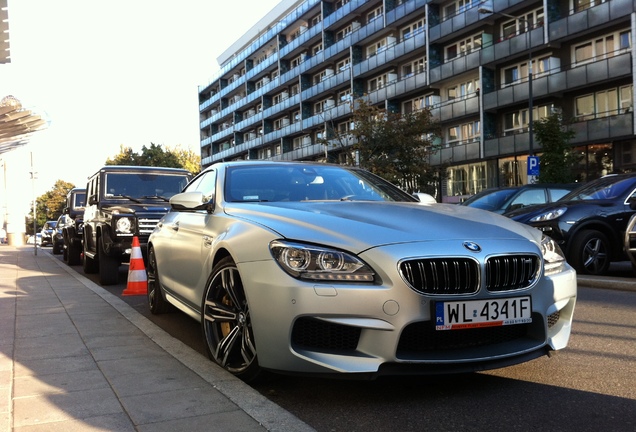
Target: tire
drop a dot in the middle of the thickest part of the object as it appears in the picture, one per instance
(156, 301)
(73, 253)
(226, 323)
(590, 252)
(108, 266)
(90, 265)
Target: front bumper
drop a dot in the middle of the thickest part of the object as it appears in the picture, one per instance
(388, 328)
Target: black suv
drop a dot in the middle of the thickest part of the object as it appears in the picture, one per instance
(70, 224)
(123, 202)
(589, 223)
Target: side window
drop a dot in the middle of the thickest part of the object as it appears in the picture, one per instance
(529, 197)
(205, 183)
(557, 194)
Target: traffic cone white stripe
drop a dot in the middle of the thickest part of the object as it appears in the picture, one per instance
(137, 278)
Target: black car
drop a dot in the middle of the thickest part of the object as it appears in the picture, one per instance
(589, 223)
(58, 239)
(47, 232)
(505, 199)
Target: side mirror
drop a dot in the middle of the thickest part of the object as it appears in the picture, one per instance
(93, 200)
(192, 201)
(425, 198)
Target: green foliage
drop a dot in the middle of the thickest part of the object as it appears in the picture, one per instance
(49, 205)
(396, 146)
(558, 160)
(156, 156)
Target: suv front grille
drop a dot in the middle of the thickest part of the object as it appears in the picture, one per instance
(450, 276)
(147, 225)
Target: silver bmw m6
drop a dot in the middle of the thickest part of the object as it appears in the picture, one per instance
(326, 269)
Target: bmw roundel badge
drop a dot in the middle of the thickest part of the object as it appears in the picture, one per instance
(472, 246)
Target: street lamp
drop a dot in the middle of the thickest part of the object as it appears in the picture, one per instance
(34, 176)
(531, 159)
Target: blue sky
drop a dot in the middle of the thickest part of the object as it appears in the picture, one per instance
(122, 72)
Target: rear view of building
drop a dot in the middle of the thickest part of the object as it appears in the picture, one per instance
(484, 68)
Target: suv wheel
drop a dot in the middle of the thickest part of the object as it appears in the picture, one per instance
(108, 266)
(89, 264)
(590, 252)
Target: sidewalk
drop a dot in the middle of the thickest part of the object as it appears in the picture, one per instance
(73, 357)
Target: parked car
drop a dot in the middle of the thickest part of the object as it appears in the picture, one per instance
(73, 225)
(505, 199)
(47, 233)
(316, 268)
(124, 202)
(589, 223)
(58, 239)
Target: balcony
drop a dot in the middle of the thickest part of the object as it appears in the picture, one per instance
(459, 22)
(604, 128)
(590, 18)
(558, 81)
(406, 8)
(457, 153)
(456, 108)
(391, 53)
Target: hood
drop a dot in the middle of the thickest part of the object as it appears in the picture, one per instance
(360, 225)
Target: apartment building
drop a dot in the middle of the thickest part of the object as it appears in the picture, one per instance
(484, 68)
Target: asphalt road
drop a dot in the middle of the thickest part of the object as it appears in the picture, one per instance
(589, 386)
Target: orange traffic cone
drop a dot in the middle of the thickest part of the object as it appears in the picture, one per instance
(137, 279)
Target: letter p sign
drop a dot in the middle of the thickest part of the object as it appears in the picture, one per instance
(533, 165)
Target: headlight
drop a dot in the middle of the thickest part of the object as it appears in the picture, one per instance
(320, 264)
(124, 226)
(549, 215)
(553, 258)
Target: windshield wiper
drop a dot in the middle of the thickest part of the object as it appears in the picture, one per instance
(129, 197)
(157, 197)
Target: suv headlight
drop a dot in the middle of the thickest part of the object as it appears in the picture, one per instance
(124, 225)
(553, 257)
(549, 215)
(320, 264)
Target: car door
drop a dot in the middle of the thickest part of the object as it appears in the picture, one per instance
(190, 245)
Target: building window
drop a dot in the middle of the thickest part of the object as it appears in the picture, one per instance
(295, 89)
(340, 3)
(419, 103)
(296, 117)
(412, 29)
(344, 96)
(343, 64)
(323, 105)
(315, 20)
(459, 6)
(604, 103)
(519, 72)
(297, 60)
(462, 90)
(414, 67)
(522, 24)
(374, 14)
(464, 133)
(602, 47)
(581, 5)
(463, 47)
(517, 121)
(316, 49)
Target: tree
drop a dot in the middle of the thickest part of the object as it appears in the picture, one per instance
(49, 206)
(396, 146)
(558, 159)
(156, 156)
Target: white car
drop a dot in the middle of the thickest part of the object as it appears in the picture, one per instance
(326, 269)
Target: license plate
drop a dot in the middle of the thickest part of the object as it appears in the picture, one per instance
(454, 315)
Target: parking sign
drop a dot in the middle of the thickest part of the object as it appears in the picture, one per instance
(533, 165)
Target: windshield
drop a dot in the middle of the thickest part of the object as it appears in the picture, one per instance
(142, 185)
(490, 200)
(307, 183)
(602, 189)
